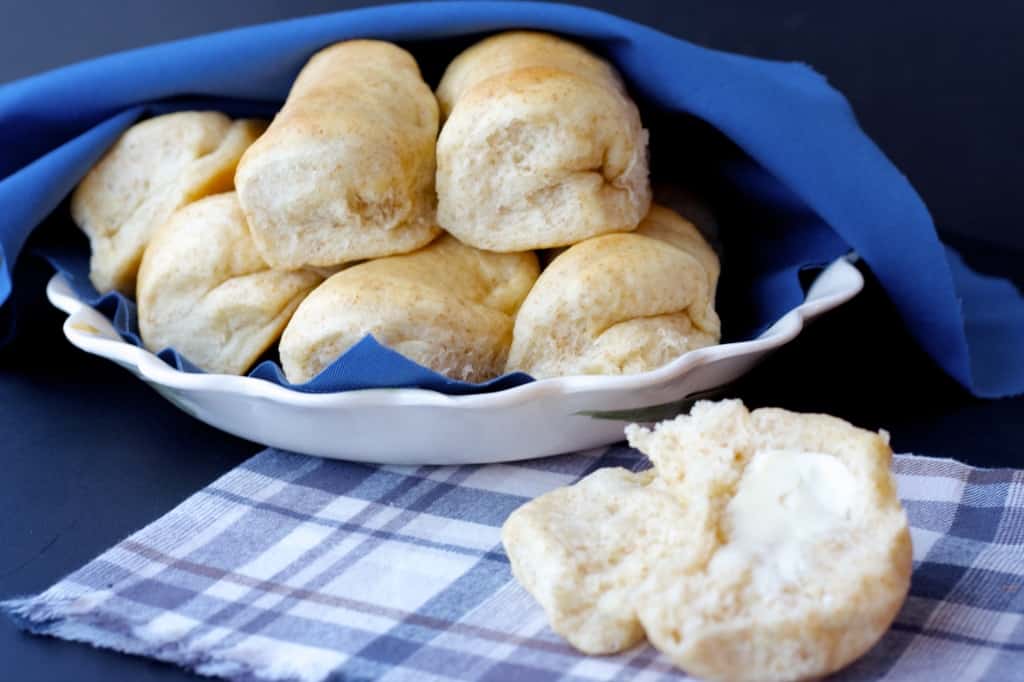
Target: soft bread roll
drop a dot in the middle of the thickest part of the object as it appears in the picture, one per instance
(153, 169)
(813, 559)
(205, 290)
(346, 170)
(447, 306)
(542, 146)
(583, 550)
(620, 303)
(763, 545)
(670, 227)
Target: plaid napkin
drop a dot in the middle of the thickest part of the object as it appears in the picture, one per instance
(296, 568)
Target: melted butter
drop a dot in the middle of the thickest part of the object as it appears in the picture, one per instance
(787, 501)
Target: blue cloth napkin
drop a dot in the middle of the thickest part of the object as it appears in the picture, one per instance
(792, 178)
(298, 568)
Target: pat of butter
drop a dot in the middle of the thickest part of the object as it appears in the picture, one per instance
(787, 501)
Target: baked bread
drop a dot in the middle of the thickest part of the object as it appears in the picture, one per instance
(763, 545)
(205, 290)
(154, 168)
(447, 306)
(584, 550)
(620, 303)
(542, 146)
(346, 170)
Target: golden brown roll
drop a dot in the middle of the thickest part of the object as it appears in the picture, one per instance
(346, 170)
(205, 290)
(620, 303)
(542, 146)
(448, 306)
(153, 169)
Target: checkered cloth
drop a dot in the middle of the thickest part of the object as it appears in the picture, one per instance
(291, 567)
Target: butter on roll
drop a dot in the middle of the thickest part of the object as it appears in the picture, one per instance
(763, 545)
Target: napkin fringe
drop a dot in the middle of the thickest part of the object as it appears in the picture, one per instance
(57, 616)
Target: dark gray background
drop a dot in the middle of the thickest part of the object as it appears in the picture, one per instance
(91, 455)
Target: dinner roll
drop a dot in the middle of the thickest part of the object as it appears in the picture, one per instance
(813, 555)
(447, 306)
(205, 290)
(763, 545)
(153, 169)
(346, 170)
(582, 551)
(542, 146)
(620, 303)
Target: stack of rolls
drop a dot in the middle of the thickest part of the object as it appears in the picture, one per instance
(372, 206)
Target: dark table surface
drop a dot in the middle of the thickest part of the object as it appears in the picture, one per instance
(91, 454)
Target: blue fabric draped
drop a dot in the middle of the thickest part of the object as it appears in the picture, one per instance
(778, 153)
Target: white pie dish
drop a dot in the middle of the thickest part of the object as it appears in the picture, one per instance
(416, 426)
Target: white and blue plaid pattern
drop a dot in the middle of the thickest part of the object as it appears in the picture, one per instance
(291, 567)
